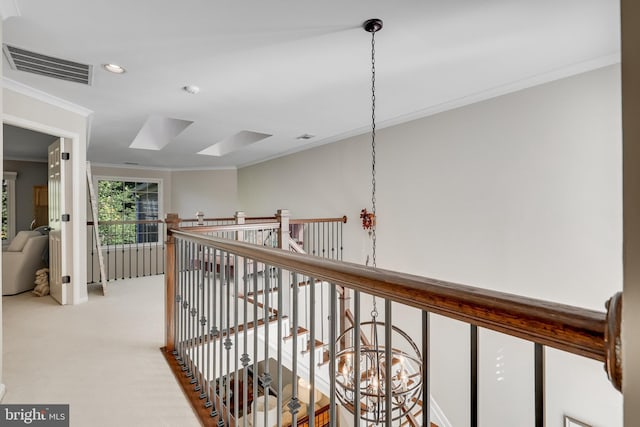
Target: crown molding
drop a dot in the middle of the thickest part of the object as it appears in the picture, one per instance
(31, 92)
(9, 8)
(25, 159)
(121, 166)
(162, 169)
(205, 168)
(526, 83)
(569, 70)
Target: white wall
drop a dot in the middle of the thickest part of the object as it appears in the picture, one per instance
(30, 174)
(520, 193)
(213, 192)
(22, 108)
(631, 129)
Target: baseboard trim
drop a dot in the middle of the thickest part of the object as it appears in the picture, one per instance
(81, 300)
(197, 404)
(437, 415)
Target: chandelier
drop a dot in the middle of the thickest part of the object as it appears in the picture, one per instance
(405, 382)
(362, 378)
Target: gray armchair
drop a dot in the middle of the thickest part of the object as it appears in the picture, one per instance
(21, 260)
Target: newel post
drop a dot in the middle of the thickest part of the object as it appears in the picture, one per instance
(283, 243)
(239, 265)
(172, 222)
(240, 219)
(283, 233)
(612, 340)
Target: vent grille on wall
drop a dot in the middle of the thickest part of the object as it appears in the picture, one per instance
(37, 63)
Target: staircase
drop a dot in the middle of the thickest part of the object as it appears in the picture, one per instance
(320, 348)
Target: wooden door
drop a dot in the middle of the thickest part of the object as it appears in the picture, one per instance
(60, 243)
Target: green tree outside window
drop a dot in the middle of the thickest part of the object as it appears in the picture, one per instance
(125, 202)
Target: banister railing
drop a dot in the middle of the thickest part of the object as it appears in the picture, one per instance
(210, 229)
(131, 248)
(342, 219)
(190, 222)
(286, 275)
(575, 330)
(319, 236)
(135, 248)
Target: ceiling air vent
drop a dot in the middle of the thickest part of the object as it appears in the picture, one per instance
(37, 63)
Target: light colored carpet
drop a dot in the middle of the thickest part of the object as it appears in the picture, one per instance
(102, 357)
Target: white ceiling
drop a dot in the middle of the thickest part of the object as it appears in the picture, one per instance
(25, 144)
(286, 68)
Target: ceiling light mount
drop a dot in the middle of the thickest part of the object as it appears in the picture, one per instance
(372, 25)
(191, 89)
(114, 68)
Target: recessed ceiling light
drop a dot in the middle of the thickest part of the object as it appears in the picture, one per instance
(305, 136)
(114, 68)
(191, 89)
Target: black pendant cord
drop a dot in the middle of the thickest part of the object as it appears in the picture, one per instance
(373, 26)
(374, 311)
(373, 145)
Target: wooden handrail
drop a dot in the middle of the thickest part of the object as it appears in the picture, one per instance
(612, 340)
(573, 329)
(342, 219)
(252, 220)
(232, 227)
(261, 219)
(255, 218)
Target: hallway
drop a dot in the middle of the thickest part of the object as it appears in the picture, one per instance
(102, 357)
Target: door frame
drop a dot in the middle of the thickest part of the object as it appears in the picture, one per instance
(78, 292)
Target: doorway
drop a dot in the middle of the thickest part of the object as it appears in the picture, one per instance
(34, 155)
(25, 154)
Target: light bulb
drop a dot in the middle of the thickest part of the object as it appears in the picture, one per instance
(114, 68)
(374, 384)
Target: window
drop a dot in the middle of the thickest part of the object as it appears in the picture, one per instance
(8, 206)
(123, 205)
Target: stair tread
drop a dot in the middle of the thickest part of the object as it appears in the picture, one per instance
(230, 332)
(318, 344)
(251, 300)
(260, 292)
(301, 331)
(325, 358)
(306, 283)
